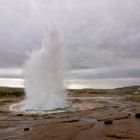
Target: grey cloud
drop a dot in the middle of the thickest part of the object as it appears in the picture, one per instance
(10, 73)
(105, 73)
(97, 34)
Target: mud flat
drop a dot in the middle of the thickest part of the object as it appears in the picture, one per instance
(91, 118)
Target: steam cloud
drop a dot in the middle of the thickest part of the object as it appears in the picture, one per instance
(43, 74)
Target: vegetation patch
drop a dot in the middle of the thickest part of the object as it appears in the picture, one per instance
(11, 92)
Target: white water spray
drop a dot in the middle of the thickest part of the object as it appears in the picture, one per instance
(43, 75)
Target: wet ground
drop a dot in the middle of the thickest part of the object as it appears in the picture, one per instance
(85, 120)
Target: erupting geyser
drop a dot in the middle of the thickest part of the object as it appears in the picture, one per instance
(43, 74)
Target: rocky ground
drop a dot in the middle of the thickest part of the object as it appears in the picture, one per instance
(96, 118)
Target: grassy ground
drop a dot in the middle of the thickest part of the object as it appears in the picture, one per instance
(11, 92)
(133, 90)
(135, 98)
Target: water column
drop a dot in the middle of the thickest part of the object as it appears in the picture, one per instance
(43, 74)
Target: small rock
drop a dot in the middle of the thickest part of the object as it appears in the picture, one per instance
(26, 129)
(19, 115)
(108, 121)
(70, 121)
(129, 114)
(137, 115)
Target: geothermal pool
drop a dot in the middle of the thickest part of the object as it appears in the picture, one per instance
(73, 104)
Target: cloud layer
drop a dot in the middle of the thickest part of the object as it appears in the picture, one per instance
(100, 36)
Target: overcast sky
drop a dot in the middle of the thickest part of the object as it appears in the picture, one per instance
(101, 37)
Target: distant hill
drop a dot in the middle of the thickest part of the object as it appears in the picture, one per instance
(129, 88)
(117, 91)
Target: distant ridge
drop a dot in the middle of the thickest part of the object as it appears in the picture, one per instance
(129, 90)
(135, 87)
